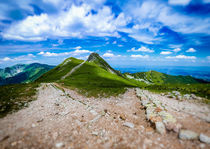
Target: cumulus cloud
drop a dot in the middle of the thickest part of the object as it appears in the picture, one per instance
(77, 21)
(110, 55)
(192, 50)
(140, 56)
(142, 49)
(18, 58)
(165, 52)
(76, 52)
(181, 57)
(177, 50)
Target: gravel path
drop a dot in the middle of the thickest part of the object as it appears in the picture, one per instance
(65, 119)
(73, 70)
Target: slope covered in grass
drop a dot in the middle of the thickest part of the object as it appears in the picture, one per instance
(93, 80)
(161, 78)
(59, 71)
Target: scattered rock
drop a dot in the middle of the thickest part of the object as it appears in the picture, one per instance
(160, 127)
(95, 133)
(128, 124)
(59, 145)
(187, 135)
(14, 143)
(122, 117)
(40, 120)
(205, 139)
(33, 125)
(202, 145)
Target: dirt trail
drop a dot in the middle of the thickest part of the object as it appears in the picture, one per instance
(65, 119)
(73, 70)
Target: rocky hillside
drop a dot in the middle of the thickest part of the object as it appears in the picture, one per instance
(22, 73)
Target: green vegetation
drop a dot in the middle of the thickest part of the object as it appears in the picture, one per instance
(202, 90)
(92, 80)
(14, 97)
(161, 78)
(22, 73)
(59, 71)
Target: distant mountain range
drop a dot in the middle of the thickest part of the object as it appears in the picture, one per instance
(22, 73)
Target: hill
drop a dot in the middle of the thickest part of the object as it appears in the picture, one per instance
(93, 77)
(154, 77)
(22, 73)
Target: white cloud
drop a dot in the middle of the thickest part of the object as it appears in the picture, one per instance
(140, 56)
(181, 57)
(208, 57)
(179, 2)
(19, 58)
(108, 55)
(114, 42)
(6, 59)
(119, 45)
(192, 50)
(165, 52)
(142, 49)
(76, 21)
(77, 48)
(111, 55)
(177, 50)
(76, 52)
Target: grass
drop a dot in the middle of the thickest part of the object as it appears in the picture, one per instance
(59, 71)
(16, 96)
(202, 90)
(92, 80)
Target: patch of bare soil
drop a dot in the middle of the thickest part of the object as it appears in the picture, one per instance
(65, 119)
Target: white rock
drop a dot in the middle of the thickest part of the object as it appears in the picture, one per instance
(59, 145)
(160, 127)
(187, 135)
(205, 139)
(33, 125)
(128, 124)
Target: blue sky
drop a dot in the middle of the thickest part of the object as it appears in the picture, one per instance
(125, 33)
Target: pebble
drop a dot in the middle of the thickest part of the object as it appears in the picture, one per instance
(59, 145)
(187, 135)
(160, 127)
(128, 124)
(205, 139)
(33, 125)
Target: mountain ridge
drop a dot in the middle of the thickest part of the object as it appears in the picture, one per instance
(22, 73)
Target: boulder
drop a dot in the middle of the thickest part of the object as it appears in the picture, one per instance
(160, 127)
(205, 139)
(188, 135)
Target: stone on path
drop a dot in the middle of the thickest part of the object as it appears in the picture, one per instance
(205, 139)
(128, 124)
(187, 135)
(160, 127)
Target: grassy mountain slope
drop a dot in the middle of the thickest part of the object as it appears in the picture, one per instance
(59, 71)
(23, 73)
(95, 77)
(155, 77)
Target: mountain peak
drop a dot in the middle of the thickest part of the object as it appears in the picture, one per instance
(93, 56)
